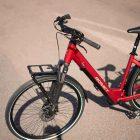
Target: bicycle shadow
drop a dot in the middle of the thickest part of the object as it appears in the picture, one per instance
(102, 101)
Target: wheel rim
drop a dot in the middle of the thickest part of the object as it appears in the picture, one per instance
(17, 119)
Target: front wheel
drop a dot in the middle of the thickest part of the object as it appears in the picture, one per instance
(134, 87)
(28, 117)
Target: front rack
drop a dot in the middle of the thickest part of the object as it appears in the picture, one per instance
(41, 70)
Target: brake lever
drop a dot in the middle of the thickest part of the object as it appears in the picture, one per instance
(57, 19)
(65, 21)
(83, 48)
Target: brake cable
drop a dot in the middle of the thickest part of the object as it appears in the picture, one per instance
(58, 47)
(65, 35)
(83, 48)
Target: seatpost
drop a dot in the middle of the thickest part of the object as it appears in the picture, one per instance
(137, 40)
(136, 45)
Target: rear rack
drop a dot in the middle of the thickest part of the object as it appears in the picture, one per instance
(41, 70)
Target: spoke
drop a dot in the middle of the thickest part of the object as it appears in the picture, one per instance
(35, 97)
(28, 108)
(24, 118)
(30, 94)
(65, 103)
(40, 131)
(28, 100)
(62, 102)
(68, 91)
(37, 128)
(43, 128)
(65, 109)
(27, 125)
(27, 122)
(33, 126)
(69, 113)
(62, 114)
(30, 121)
(33, 108)
(37, 123)
(30, 105)
(21, 99)
(57, 122)
(25, 97)
(63, 106)
(39, 99)
(48, 85)
(31, 113)
(60, 120)
(26, 113)
(65, 88)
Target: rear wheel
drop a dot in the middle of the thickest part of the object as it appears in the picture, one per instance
(134, 87)
(29, 118)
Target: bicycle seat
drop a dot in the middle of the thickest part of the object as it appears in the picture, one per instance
(134, 30)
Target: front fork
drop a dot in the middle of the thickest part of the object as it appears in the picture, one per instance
(52, 97)
(57, 85)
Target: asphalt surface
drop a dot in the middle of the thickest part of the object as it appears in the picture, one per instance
(27, 37)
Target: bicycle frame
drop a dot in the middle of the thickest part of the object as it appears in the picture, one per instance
(114, 94)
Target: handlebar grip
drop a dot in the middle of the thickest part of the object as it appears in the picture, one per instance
(91, 43)
(67, 16)
(60, 19)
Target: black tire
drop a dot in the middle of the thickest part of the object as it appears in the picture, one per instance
(132, 81)
(28, 85)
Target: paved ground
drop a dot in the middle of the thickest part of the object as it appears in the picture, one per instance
(27, 37)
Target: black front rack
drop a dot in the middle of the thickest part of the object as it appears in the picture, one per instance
(41, 70)
(37, 71)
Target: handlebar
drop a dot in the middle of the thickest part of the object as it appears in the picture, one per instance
(91, 43)
(67, 16)
(73, 32)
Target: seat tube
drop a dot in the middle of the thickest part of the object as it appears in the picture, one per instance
(127, 70)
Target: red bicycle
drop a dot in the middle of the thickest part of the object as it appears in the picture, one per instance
(52, 102)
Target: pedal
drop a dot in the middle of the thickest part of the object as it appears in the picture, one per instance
(130, 114)
(137, 114)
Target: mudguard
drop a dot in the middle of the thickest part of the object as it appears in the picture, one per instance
(134, 69)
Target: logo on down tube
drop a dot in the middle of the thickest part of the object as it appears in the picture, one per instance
(103, 86)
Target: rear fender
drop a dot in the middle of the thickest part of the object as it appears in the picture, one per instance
(134, 69)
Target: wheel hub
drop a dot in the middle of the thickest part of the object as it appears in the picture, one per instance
(47, 112)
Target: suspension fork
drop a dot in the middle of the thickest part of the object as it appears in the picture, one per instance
(57, 85)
